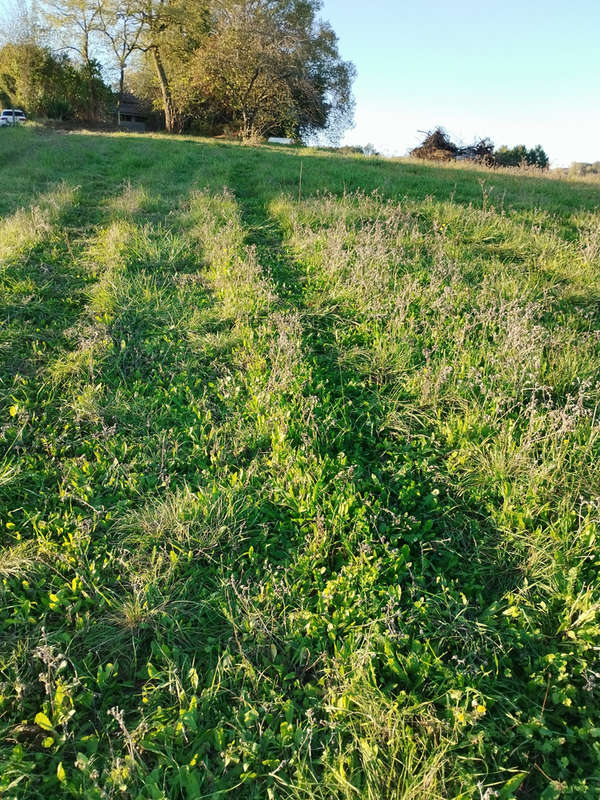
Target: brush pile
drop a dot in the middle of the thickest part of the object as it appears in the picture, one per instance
(437, 146)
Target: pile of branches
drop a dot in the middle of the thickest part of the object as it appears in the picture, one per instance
(481, 150)
(437, 146)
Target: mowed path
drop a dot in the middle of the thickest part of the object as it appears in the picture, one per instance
(298, 482)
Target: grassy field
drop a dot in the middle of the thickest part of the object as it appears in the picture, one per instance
(299, 475)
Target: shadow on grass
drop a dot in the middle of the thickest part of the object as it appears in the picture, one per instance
(473, 542)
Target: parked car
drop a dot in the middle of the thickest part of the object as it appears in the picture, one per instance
(10, 116)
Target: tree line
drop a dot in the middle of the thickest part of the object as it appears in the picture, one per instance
(517, 156)
(254, 67)
(438, 146)
(51, 85)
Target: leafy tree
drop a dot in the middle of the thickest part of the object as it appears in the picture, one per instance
(515, 156)
(240, 70)
(31, 77)
(34, 78)
(269, 67)
(537, 156)
(76, 24)
(89, 91)
(170, 32)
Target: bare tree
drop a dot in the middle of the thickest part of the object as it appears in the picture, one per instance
(123, 29)
(149, 26)
(19, 23)
(75, 24)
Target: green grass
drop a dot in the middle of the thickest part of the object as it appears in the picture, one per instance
(299, 481)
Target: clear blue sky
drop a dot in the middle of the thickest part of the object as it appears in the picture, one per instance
(520, 72)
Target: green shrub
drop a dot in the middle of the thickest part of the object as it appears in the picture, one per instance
(518, 155)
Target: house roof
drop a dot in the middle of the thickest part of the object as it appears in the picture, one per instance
(130, 104)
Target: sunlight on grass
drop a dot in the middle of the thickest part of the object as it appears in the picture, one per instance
(299, 489)
(26, 228)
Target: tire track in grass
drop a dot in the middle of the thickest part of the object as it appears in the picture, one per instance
(460, 581)
(337, 482)
(127, 333)
(138, 605)
(41, 290)
(57, 272)
(91, 469)
(35, 269)
(176, 507)
(232, 492)
(67, 260)
(393, 483)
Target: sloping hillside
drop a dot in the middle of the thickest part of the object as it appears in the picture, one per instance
(299, 470)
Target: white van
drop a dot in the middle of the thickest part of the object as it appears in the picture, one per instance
(10, 116)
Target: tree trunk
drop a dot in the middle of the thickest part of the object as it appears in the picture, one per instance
(245, 131)
(91, 99)
(90, 81)
(168, 105)
(120, 98)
